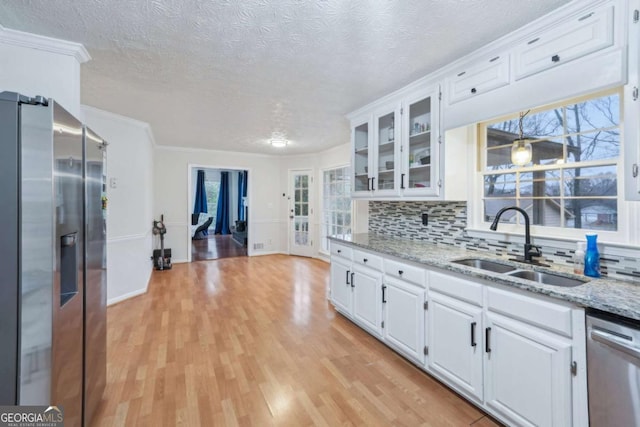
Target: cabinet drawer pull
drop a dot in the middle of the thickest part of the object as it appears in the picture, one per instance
(533, 41)
(555, 58)
(339, 251)
(364, 260)
(384, 297)
(587, 16)
(462, 74)
(347, 279)
(487, 345)
(473, 334)
(400, 272)
(494, 59)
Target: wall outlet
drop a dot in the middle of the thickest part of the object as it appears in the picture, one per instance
(425, 218)
(258, 246)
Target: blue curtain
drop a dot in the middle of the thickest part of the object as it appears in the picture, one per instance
(200, 205)
(242, 192)
(222, 216)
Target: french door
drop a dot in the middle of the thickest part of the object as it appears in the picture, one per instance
(300, 213)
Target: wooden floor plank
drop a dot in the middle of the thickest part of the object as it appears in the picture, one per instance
(254, 342)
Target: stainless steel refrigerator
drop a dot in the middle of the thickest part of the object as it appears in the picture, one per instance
(52, 327)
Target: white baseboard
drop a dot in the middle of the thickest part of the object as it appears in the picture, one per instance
(127, 296)
(260, 253)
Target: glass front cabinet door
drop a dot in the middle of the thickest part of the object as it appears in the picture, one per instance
(361, 136)
(421, 148)
(386, 142)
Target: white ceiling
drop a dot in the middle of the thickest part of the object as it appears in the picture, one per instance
(228, 74)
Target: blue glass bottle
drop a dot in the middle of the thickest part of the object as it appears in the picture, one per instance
(592, 257)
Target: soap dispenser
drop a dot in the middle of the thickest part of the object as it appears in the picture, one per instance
(592, 257)
(578, 258)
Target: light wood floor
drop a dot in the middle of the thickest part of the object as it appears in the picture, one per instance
(216, 247)
(253, 341)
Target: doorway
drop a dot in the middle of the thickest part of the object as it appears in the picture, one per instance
(300, 212)
(218, 213)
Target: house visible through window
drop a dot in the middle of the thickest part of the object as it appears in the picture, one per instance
(571, 181)
(336, 206)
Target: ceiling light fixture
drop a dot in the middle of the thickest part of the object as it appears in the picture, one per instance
(521, 150)
(279, 142)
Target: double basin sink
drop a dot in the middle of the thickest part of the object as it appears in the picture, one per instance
(534, 276)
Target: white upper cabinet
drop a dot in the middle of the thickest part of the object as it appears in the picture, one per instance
(479, 78)
(632, 107)
(362, 154)
(386, 144)
(421, 147)
(565, 42)
(395, 149)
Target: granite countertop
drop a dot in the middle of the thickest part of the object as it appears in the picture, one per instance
(611, 295)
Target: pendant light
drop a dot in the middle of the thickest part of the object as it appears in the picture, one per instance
(521, 149)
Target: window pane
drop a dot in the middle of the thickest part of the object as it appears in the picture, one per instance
(501, 185)
(499, 158)
(547, 151)
(600, 145)
(540, 183)
(492, 206)
(543, 124)
(543, 211)
(594, 114)
(590, 182)
(502, 133)
(592, 214)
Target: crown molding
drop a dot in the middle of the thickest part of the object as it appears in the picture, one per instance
(47, 44)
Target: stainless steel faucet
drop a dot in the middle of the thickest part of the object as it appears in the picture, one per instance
(529, 250)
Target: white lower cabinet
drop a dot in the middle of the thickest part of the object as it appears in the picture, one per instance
(528, 373)
(519, 356)
(367, 298)
(455, 343)
(404, 318)
(341, 293)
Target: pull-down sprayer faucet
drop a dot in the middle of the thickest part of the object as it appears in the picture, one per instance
(529, 250)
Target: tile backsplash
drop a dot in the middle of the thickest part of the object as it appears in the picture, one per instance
(446, 225)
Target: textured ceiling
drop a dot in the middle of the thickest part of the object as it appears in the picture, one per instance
(229, 74)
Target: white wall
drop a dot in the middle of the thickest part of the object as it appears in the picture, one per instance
(171, 195)
(130, 204)
(35, 65)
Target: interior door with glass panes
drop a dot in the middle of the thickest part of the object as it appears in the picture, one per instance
(385, 174)
(362, 158)
(300, 213)
(420, 154)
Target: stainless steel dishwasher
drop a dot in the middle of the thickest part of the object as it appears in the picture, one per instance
(613, 370)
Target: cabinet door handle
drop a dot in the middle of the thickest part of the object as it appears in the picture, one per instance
(400, 272)
(353, 285)
(347, 280)
(634, 170)
(473, 334)
(555, 58)
(373, 184)
(384, 297)
(473, 90)
(369, 184)
(402, 181)
(487, 345)
(339, 251)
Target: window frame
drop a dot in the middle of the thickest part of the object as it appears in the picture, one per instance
(478, 227)
(324, 237)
